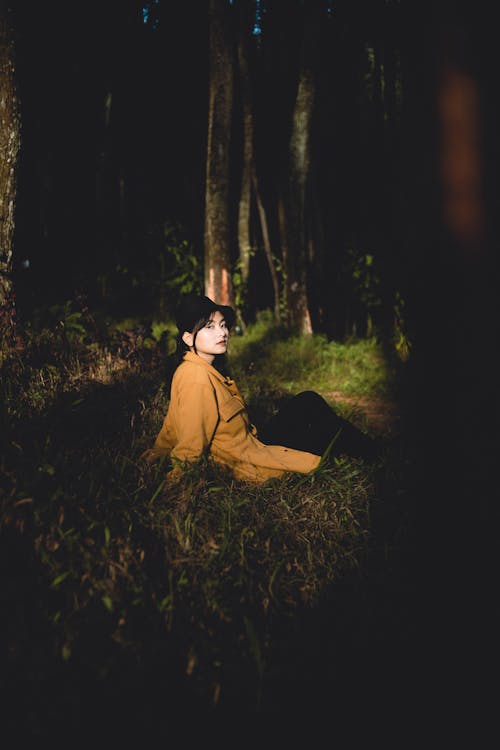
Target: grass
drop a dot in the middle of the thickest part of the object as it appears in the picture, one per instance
(297, 363)
(110, 575)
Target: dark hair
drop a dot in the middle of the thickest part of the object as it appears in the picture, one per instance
(193, 314)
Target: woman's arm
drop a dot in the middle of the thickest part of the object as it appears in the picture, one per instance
(196, 418)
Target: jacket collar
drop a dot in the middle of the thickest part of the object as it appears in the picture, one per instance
(192, 357)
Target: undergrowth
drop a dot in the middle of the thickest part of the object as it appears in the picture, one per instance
(106, 567)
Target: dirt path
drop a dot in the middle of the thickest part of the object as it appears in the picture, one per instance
(382, 415)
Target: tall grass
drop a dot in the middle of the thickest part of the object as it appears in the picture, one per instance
(105, 564)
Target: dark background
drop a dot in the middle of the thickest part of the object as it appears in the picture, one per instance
(98, 184)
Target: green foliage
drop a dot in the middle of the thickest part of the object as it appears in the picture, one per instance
(151, 278)
(240, 285)
(361, 269)
(180, 270)
(69, 322)
(159, 328)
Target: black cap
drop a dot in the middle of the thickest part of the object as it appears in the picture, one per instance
(194, 308)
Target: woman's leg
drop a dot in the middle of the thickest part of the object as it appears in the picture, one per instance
(306, 422)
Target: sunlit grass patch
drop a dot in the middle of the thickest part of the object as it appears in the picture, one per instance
(269, 355)
(269, 364)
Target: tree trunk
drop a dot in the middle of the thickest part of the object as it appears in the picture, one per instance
(244, 208)
(218, 281)
(10, 140)
(294, 249)
(293, 206)
(267, 247)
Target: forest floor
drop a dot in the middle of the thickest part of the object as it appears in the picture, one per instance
(382, 414)
(358, 638)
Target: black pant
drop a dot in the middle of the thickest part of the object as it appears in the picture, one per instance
(307, 423)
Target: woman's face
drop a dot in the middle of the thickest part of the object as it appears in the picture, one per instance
(210, 340)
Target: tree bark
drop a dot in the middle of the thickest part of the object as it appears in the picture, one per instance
(293, 206)
(244, 207)
(294, 249)
(218, 280)
(10, 141)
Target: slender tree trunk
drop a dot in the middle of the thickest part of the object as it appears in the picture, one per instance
(244, 208)
(292, 223)
(10, 141)
(320, 288)
(267, 247)
(218, 281)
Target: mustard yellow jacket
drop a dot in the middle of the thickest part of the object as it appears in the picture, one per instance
(207, 416)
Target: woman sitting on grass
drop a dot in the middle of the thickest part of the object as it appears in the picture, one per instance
(207, 416)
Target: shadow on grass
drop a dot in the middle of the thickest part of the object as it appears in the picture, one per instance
(361, 630)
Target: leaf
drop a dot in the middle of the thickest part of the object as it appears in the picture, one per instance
(47, 468)
(108, 603)
(157, 491)
(59, 579)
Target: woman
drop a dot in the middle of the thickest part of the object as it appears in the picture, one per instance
(208, 417)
